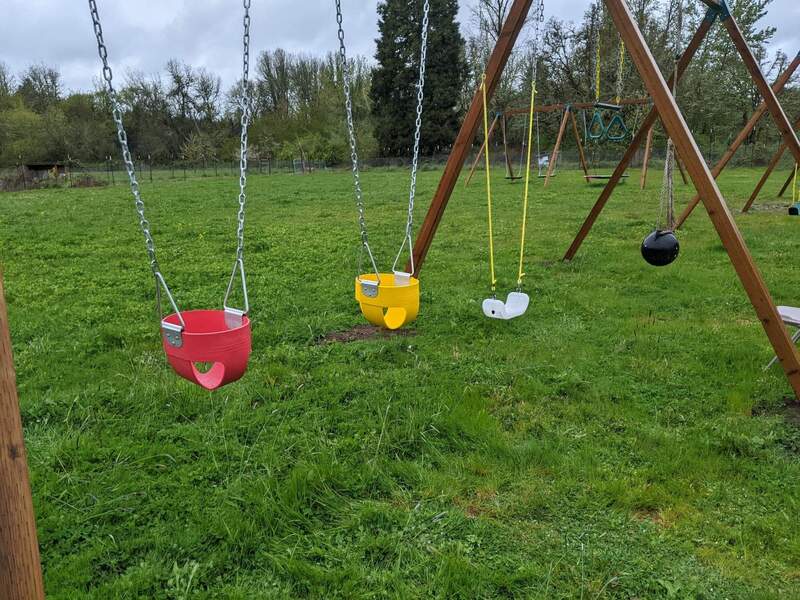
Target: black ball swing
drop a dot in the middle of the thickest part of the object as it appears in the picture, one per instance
(661, 247)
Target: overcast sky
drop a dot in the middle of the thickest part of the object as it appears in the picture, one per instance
(144, 34)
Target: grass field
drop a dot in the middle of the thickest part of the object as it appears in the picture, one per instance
(620, 440)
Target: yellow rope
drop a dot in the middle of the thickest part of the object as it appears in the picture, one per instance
(488, 179)
(621, 68)
(521, 272)
(597, 72)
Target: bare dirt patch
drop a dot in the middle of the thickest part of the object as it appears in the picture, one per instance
(363, 332)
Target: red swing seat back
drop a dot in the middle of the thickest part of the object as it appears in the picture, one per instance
(207, 338)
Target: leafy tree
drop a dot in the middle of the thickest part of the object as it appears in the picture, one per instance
(394, 93)
(40, 87)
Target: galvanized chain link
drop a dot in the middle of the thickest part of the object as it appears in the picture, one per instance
(423, 55)
(351, 131)
(245, 123)
(122, 136)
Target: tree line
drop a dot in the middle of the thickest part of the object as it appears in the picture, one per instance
(183, 112)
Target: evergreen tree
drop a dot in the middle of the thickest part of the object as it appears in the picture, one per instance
(394, 94)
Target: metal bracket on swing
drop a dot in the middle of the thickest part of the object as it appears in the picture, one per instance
(234, 317)
(172, 332)
(401, 277)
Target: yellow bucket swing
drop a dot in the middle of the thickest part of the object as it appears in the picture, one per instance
(516, 303)
(389, 300)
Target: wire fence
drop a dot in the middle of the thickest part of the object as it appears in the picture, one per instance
(77, 173)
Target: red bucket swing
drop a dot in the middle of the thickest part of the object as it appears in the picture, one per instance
(221, 338)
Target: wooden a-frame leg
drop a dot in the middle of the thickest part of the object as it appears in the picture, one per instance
(579, 143)
(638, 139)
(786, 184)
(554, 157)
(775, 109)
(776, 158)
(740, 139)
(20, 567)
(509, 167)
(481, 151)
(515, 20)
(648, 149)
(726, 228)
(681, 170)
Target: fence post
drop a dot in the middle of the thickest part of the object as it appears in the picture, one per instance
(150, 164)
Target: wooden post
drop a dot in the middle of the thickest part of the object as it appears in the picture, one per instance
(554, 157)
(773, 162)
(509, 167)
(681, 170)
(579, 143)
(726, 228)
(787, 184)
(648, 149)
(494, 70)
(20, 567)
(767, 93)
(728, 155)
(638, 139)
(481, 151)
(776, 158)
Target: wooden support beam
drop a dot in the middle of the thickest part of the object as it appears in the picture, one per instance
(786, 184)
(648, 148)
(455, 162)
(681, 170)
(726, 228)
(773, 162)
(546, 108)
(557, 148)
(775, 109)
(509, 166)
(740, 139)
(20, 567)
(579, 143)
(638, 139)
(481, 151)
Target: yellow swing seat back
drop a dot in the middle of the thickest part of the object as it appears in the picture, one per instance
(392, 304)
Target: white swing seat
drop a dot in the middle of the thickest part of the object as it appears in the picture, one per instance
(790, 316)
(515, 306)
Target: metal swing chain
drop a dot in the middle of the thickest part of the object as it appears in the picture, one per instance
(243, 151)
(127, 159)
(417, 134)
(351, 131)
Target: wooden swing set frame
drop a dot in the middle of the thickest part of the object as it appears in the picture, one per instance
(20, 566)
(568, 115)
(666, 109)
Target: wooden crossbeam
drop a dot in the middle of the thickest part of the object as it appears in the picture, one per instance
(20, 567)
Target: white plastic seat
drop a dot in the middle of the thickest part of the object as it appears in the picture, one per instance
(790, 315)
(515, 305)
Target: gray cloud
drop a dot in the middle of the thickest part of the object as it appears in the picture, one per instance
(144, 34)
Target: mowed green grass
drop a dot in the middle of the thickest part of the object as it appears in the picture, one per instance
(619, 440)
